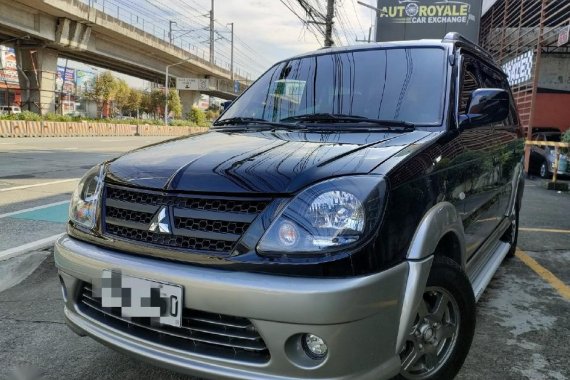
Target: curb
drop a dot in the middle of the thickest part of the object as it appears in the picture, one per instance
(33, 246)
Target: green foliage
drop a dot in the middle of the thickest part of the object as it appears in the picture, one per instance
(122, 94)
(157, 99)
(198, 117)
(212, 115)
(565, 138)
(27, 115)
(56, 117)
(174, 104)
(134, 101)
(105, 87)
(181, 123)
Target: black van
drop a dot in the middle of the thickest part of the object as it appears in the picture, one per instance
(339, 221)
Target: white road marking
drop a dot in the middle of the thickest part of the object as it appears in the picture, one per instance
(32, 209)
(39, 184)
(33, 246)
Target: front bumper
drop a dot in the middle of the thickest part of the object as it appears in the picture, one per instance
(357, 317)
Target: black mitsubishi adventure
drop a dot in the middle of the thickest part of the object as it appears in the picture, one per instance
(339, 221)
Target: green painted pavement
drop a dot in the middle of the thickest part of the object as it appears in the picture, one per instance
(57, 213)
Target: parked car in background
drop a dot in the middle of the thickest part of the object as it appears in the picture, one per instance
(542, 158)
(10, 110)
(339, 221)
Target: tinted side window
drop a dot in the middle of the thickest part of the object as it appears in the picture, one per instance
(469, 83)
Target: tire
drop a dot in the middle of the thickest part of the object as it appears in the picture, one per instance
(543, 171)
(512, 234)
(441, 336)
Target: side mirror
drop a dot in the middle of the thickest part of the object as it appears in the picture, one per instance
(486, 106)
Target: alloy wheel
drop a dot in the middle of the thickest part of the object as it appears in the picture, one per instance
(433, 336)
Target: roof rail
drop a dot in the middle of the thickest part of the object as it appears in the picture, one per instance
(458, 38)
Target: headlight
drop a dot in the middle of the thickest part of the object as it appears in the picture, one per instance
(85, 198)
(327, 217)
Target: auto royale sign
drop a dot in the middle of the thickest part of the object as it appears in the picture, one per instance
(415, 19)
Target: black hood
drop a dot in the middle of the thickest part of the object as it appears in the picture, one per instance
(255, 161)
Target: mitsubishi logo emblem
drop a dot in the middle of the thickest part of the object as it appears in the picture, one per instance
(160, 222)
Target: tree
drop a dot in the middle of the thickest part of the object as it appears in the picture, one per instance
(134, 102)
(174, 103)
(157, 99)
(122, 94)
(197, 116)
(146, 103)
(103, 91)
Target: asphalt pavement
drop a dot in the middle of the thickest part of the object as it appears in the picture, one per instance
(37, 176)
(523, 318)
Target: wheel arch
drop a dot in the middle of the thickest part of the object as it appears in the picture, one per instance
(440, 231)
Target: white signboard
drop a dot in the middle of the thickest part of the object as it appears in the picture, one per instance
(519, 69)
(194, 84)
(554, 72)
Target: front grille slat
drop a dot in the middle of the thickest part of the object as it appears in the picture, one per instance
(206, 235)
(220, 339)
(127, 223)
(214, 215)
(198, 223)
(140, 207)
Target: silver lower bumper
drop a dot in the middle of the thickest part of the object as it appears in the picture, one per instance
(357, 317)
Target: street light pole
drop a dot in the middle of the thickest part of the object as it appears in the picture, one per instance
(170, 30)
(166, 85)
(232, 53)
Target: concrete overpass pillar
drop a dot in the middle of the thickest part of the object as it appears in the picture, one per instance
(40, 68)
(188, 98)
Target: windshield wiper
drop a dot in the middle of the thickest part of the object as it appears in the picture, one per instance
(341, 118)
(253, 121)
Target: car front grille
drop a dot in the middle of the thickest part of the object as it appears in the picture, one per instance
(197, 223)
(201, 332)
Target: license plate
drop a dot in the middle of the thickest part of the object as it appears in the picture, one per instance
(142, 298)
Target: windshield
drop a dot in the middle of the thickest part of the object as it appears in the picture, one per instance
(400, 84)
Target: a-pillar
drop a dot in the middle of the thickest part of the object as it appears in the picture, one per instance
(37, 73)
(188, 98)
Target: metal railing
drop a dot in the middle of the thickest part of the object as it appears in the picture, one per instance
(135, 21)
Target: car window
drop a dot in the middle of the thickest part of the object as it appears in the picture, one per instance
(406, 84)
(469, 83)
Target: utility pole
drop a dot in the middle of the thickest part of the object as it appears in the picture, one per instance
(232, 53)
(170, 35)
(212, 34)
(369, 36)
(328, 23)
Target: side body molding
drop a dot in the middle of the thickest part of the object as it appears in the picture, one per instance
(436, 223)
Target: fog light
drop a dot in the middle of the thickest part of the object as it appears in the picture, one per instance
(314, 346)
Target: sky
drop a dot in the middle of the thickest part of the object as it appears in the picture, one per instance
(266, 31)
(276, 33)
